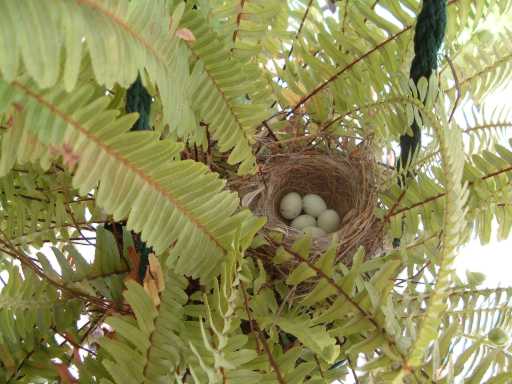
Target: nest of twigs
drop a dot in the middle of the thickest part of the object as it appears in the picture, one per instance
(346, 180)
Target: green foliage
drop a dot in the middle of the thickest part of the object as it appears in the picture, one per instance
(221, 302)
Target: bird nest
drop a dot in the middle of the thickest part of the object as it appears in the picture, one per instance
(346, 182)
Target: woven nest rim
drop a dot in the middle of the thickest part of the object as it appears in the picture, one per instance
(347, 183)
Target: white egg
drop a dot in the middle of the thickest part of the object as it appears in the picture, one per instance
(303, 221)
(329, 220)
(314, 231)
(313, 205)
(291, 205)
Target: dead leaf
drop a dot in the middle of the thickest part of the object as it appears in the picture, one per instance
(154, 282)
(151, 288)
(156, 272)
(185, 34)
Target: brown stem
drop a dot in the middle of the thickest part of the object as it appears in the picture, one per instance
(395, 206)
(329, 280)
(272, 134)
(238, 19)
(503, 124)
(356, 379)
(319, 367)
(249, 316)
(302, 22)
(77, 226)
(73, 343)
(12, 251)
(260, 336)
(432, 198)
(344, 69)
(20, 366)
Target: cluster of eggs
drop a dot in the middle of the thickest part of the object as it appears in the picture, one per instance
(309, 214)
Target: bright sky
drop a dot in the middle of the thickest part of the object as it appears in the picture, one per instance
(494, 259)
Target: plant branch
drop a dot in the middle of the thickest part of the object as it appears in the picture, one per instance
(238, 19)
(20, 366)
(260, 336)
(73, 343)
(344, 69)
(439, 195)
(13, 251)
(302, 22)
(356, 379)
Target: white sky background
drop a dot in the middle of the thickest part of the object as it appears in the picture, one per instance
(495, 258)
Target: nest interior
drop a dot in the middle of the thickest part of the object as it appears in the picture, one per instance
(346, 183)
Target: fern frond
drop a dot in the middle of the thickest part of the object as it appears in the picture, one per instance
(167, 201)
(31, 313)
(149, 349)
(480, 72)
(103, 277)
(247, 27)
(40, 207)
(219, 94)
(118, 37)
(452, 169)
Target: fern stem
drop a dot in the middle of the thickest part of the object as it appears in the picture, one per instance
(302, 22)
(73, 343)
(354, 374)
(341, 291)
(12, 251)
(502, 61)
(505, 124)
(238, 19)
(435, 197)
(259, 336)
(334, 77)
(150, 181)
(96, 5)
(350, 65)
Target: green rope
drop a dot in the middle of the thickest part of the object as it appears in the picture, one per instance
(428, 37)
(137, 100)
